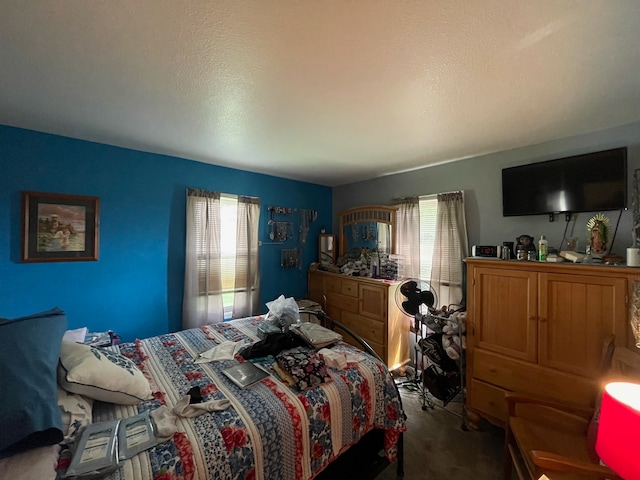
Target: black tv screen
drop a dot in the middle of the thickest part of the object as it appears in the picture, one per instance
(583, 183)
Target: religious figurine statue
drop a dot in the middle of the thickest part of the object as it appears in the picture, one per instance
(598, 227)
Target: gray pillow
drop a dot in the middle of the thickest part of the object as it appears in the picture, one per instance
(29, 351)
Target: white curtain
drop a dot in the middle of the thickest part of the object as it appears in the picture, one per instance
(451, 246)
(246, 299)
(202, 301)
(408, 236)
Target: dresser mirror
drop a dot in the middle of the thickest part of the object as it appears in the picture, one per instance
(369, 227)
(327, 248)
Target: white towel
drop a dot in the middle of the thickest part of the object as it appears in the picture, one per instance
(184, 409)
(165, 423)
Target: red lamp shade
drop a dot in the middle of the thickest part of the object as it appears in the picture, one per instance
(619, 429)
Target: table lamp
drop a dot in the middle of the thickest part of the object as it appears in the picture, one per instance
(619, 429)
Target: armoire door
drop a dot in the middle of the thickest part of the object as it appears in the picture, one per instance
(504, 312)
(576, 313)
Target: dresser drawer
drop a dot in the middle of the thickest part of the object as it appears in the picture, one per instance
(520, 376)
(487, 400)
(370, 330)
(333, 284)
(342, 302)
(349, 287)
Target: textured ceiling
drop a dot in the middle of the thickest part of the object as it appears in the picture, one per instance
(331, 91)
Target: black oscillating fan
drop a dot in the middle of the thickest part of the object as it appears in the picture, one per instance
(415, 298)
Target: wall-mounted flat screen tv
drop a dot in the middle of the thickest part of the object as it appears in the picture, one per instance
(583, 183)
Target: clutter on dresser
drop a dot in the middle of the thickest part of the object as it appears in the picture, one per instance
(524, 245)
(508, 247)
(542, 248)
(490, 251)
(370, 263)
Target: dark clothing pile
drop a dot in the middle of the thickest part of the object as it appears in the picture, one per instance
(272, 345)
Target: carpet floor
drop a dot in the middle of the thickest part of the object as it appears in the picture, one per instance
(436, 447)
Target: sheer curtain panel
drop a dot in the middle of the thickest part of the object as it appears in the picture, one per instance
(408, 236)
(246, 298)
(451, 246)
(202, 302)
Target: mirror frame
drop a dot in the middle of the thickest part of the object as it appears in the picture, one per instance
(327, 256)
(367, 213)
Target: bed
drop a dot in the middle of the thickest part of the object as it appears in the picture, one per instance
(270, 430)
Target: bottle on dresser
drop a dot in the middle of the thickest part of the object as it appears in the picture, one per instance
(542, 249)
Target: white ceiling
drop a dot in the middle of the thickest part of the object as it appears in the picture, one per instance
(331, 91)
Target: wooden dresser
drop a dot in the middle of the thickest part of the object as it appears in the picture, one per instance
(367, 306)
(538, 328)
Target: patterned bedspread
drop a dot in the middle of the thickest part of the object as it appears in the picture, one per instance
(270, 431)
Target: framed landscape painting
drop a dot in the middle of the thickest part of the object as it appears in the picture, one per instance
(59, 228)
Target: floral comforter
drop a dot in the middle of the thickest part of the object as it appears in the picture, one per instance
(270, 430)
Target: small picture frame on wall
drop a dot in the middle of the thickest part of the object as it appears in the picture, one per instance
(59, 228)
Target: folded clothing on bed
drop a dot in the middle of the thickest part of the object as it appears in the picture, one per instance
(332, 359)
(305, 366)
(222, 351)
(316, 335)
(284, 376)
(339, 359)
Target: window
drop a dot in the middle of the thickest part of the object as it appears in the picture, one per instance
(221, 266)
(432, 242)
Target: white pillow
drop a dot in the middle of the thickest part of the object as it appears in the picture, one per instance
(101, 374)
(76, 411)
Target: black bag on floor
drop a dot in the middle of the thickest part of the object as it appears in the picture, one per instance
(440, 384)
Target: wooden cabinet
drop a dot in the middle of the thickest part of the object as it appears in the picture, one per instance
(538, 328)
(367, 306)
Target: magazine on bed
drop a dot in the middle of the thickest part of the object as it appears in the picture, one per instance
(245, 374)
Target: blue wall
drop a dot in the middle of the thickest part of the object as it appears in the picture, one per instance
(135, 288)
